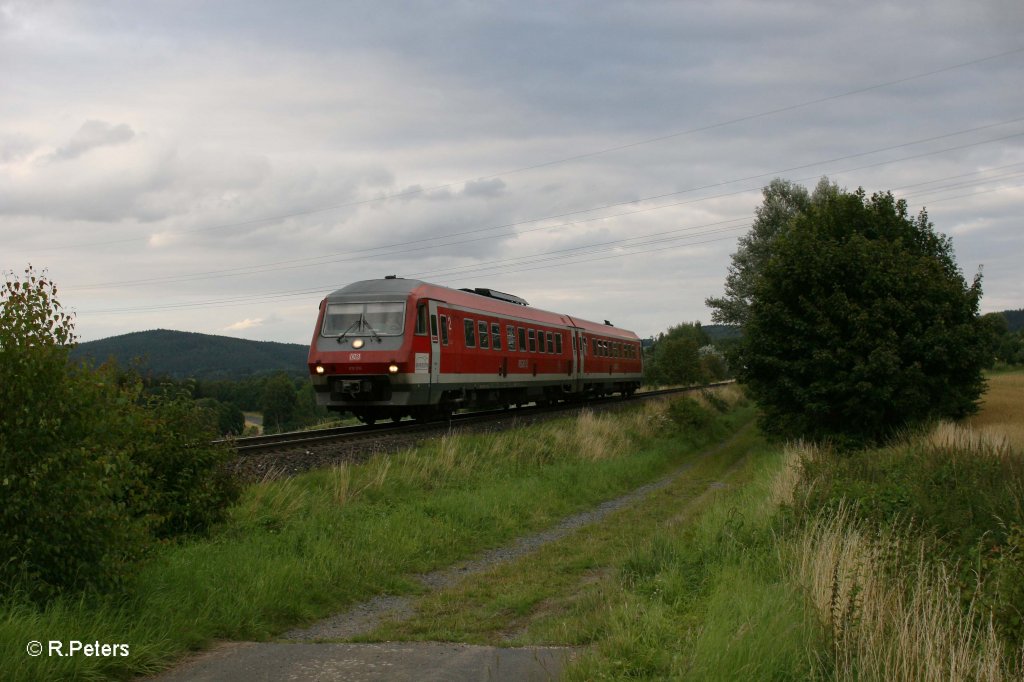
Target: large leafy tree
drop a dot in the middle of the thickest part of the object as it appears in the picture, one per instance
(782, 202)
(859, 323)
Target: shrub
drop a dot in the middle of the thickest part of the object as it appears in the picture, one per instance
(226, 417)
(63, 522)
(688, 414)
(184, 485)
(90, 471)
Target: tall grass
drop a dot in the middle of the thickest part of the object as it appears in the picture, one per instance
(887, 619)
(821, 566)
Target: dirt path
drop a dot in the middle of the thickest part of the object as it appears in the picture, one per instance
(301, 654)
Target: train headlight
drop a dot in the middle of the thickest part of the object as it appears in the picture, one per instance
(320, 369)
(393, 368)
(358, 343)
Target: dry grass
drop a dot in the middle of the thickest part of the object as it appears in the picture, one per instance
(887, 624)
(782, 488)
(1002, 409)
(968, 440)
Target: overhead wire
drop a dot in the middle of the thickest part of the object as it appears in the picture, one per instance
(359, 254)
(545, 164)
(495, 268)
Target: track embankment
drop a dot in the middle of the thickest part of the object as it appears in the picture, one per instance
(287, 454)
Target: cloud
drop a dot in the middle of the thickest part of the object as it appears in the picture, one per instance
(94, 134)
(14, 148)
(484, 188)
(247, 323)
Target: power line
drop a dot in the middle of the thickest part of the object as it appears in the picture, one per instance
(352, 254)
(496, 268)
(545, 164)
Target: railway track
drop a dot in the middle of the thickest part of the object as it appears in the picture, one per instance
(304, 439)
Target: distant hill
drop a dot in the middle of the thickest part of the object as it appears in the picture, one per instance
(722, 332)
(185, 355)
(1014, 319)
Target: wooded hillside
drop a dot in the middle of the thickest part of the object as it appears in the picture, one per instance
(200, 356)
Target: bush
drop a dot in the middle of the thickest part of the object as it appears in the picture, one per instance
(90, 471)
(63, 522)
(184, 485)
(688, 414)
(226, 418)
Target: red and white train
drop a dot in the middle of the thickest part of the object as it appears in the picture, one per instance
(392, 347)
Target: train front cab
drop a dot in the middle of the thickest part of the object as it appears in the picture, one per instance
(370, 352)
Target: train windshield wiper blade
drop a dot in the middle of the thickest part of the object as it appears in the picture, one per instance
(372, 330)
(349, 328)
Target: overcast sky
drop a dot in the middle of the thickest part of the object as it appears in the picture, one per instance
(219, 166)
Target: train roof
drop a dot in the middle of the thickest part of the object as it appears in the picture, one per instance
(372, 289)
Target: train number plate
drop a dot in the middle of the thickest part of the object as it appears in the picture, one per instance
(355, 357)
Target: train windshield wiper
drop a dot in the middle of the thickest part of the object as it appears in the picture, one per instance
(372, 330)
(340, 338)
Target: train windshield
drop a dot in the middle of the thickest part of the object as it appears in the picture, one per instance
(384, 319)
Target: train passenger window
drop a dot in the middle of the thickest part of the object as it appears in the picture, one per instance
(596, 354)
(540, 341)
(533, 341)
(470, 334)
(495, 336)
(433, 326)
(421, 319)
(522, 339)
(444, 329)
(551, 342)
(485, 340)
(558, 342)
(511, 332)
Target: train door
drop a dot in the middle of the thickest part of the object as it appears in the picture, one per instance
(435, 354)
(578, 341)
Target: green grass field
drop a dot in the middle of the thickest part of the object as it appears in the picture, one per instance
(299, 549)
(755, 562)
